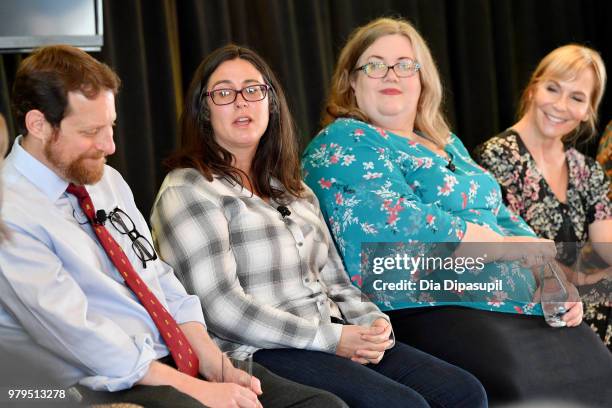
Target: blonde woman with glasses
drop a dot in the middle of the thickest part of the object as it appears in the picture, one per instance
(387, 169)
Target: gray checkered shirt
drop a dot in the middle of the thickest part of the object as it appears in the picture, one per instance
(264, 281)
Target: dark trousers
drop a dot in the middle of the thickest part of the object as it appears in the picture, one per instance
(277, 393)
(516, 357)
(405, 377)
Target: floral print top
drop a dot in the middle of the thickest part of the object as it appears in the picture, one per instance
(376, 186)
(527, 193)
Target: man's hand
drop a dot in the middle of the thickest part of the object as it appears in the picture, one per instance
(240, 377)
(221, 395)
(208, 393)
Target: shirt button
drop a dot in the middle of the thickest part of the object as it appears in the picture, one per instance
(300, 244)
(306, 279)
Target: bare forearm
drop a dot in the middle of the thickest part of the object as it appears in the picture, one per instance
(162, 374)
(203, 391)
(531, 250)
(208, 354)
(604, 250)
(600, 234)
(477, 233)
(207, 351)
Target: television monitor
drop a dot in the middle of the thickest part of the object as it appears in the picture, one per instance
(27, 24)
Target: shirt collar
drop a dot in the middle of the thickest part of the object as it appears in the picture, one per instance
(45, 179)
(274, 182)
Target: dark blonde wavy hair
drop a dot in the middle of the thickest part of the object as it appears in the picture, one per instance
(342, 103)
(565, 63)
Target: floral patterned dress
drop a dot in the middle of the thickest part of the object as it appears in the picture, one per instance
(376, 186)
(527, 193)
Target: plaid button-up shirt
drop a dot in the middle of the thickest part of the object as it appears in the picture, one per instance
(264, 280)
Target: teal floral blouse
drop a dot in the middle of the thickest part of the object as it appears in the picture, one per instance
(376, 186)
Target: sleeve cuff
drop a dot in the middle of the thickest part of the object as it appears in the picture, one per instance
(141, 366)
(189, 310)
(327, 338)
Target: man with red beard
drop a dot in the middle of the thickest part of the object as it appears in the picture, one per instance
(83, 292)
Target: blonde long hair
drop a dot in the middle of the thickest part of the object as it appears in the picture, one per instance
(342, 103)
(566, 63)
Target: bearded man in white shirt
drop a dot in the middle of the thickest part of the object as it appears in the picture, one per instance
(64, 300)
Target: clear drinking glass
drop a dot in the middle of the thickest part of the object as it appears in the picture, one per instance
(555, 290)
(237, 367)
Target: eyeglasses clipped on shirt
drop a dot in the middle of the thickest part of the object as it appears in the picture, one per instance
(123, 223)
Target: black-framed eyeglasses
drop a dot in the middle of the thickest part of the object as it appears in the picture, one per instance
(140, 245)
(403, 69)
(251, 93)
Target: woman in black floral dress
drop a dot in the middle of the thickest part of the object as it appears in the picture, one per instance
(561, 193)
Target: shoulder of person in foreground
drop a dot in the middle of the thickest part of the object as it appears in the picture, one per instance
(498, 154)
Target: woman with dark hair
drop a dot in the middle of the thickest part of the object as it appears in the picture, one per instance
(387, 169)
(246, 235)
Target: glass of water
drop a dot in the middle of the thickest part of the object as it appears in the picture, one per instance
(237, 367)
(555, 290)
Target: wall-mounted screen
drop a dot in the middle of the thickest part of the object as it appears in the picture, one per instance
(27, 24)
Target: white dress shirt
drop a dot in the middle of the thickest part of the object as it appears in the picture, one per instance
(62, 300)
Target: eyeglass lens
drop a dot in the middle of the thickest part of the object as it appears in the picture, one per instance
(252, 93)
(121, 221)
(140, 245)
(143, 248)
(402, 69)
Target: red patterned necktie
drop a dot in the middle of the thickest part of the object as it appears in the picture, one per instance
(184, 357)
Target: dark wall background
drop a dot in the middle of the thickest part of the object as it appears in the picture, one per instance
(485, 50)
